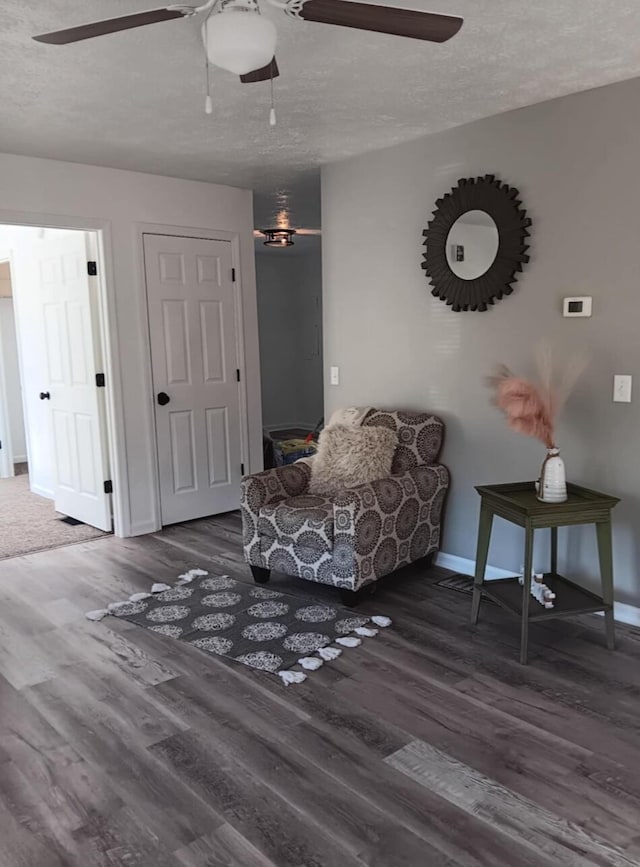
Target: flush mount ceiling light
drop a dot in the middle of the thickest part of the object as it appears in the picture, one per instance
(278, 237)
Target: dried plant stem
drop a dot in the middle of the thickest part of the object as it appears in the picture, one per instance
(533, 409)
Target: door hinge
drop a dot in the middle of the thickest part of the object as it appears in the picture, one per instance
(238, 374)
(242, 469)
(92, 269)
(233, 275)
(99, 380)
(108, 487)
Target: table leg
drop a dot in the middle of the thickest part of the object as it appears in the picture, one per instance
(554, 550)
(605, 556)
(482, 552)
(526, 594)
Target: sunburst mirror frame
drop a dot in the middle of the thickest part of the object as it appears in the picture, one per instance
(503, 205)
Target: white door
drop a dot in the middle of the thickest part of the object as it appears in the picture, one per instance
(194, 357)
(53, 273)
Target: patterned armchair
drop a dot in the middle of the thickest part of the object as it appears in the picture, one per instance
(352, 539)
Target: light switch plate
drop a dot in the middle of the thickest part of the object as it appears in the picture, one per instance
(622, 388)
(334, 375)
(577, 306)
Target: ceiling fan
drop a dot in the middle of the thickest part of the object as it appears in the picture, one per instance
(280, 236)
(238, 38)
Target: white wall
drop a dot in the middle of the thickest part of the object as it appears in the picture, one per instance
(575, 162)
(12, 411)
(290, 323)
(47, 192)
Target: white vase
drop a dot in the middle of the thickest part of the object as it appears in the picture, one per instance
(552, 485)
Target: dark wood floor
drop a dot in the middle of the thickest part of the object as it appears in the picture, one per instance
(428, 745)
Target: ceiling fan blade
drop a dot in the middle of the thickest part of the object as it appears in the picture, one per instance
(304, 232)
(264, 74)
(110, 25)
(382, 19)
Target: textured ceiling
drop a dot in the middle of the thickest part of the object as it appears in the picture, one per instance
(135, 100)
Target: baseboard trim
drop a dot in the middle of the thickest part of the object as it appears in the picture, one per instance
(624, 613)
(468, 567)
(19, 459)
(143, 528)
(42, 492)
(621, 611)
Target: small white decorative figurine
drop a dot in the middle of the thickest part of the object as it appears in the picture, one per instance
(539, 590)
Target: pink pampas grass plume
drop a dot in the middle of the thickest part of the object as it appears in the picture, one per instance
(526, 409)
(532, 409)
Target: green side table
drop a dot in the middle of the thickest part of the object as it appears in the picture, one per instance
(519, 504)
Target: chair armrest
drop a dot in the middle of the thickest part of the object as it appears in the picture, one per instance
(430, 480)
(381, 525)
(259, 490)
(269, 486)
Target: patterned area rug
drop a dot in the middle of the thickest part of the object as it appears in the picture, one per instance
(256, 626)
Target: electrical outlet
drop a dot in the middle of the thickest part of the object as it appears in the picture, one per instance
(622, 388)
(334, 375)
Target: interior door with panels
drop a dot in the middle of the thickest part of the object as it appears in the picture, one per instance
(194, 357)
(59, 302)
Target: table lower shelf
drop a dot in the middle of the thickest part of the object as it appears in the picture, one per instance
(570, 598)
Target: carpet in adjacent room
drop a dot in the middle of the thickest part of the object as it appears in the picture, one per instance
(30, 523)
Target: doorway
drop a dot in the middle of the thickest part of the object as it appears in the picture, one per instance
(54, 455)
(289, 287)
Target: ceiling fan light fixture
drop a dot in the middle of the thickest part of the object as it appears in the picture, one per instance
(278, 237)
(240, 40)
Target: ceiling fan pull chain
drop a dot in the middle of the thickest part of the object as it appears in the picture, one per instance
(208, 105)
(272, 114)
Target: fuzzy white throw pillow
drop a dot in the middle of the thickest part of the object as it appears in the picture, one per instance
(349, 456)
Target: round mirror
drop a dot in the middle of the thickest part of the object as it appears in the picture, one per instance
(472, 245)
(478, 218)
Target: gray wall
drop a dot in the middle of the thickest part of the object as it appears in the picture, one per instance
(290, 326)
(575, 161)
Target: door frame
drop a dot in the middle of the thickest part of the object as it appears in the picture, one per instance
(6, 444)
(140, 230)
(106, 314)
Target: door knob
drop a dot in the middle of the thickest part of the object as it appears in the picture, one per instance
(44, 395)
(163, 398)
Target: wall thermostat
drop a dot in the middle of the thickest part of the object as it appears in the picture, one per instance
(577, 306)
